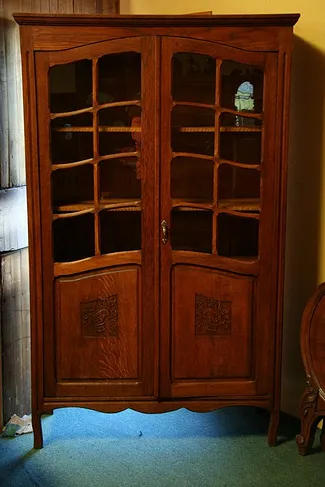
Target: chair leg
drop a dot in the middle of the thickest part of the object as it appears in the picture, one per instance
(322, 436)
(308, 417)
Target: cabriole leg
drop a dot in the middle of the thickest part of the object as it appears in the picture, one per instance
(37, 428)
(273, 428)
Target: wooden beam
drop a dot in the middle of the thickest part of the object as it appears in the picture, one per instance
(13, 219)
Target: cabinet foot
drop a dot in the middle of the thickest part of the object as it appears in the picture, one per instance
(37, 428)
(273, 428)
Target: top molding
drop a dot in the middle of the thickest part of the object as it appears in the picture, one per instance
(156, 20)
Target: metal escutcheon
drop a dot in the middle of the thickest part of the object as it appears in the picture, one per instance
(164, 228)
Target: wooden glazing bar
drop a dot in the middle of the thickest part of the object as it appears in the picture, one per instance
(93, 108)
(216, 129)
(95, 152)
(241, 214)
(53, 116)
(68, 165)
(192, 104)
(192, 155)
(120, 155)
(240, 164)
(58, 216)
(259, 116)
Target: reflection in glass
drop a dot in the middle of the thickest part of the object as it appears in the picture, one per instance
(237, 237)
(119, 116)
(119, 129)
(244, 98)
(241, 87)
(191, 230)
(116, 142)
(193, 78)
(191, 179)
(119, 77)
(70, 86)
(73, 238)
(230, 120)
(75, 144)
(118, 179)
(72, 189)
(193, 130)
(120, 231)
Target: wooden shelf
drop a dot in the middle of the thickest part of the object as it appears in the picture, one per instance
(116, 204)
(114, 129)
(101, 128)
(192, 204)
(241, 204)
(222, 129)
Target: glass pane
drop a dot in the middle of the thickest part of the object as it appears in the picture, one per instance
(118, 179)
(120, 231)
(119, 77)
(193, 130)
(120, 129)
(244, 147)
(193, 78)
(116, 142)
(241, 87)
(233, 121)
(72, 145)
(70, 86)
(126, 116)
(238, 188)
(191, 230)
(237, 237)
(73, 238)
(191, 179)
(72, 189)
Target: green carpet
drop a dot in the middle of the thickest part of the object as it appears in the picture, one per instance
(226, 448)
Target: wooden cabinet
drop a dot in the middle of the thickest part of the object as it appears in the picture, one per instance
(156, 165)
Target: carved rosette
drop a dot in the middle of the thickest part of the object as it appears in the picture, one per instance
(212, 317)
(100, 318)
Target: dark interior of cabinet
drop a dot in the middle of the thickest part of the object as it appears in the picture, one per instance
(237, 236)
(73, 238)
(120, 231)
(191, 230)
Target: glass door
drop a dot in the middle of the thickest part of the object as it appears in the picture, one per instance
(98, 216)
(215, 212)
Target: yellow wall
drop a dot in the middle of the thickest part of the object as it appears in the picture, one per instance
(305, 251)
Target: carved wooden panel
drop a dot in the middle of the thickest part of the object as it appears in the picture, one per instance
(100, 318)
(97, 326)
(212, 317)
(211, 325)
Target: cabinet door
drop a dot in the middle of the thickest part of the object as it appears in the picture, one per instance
(96, 113)
(218, 200)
